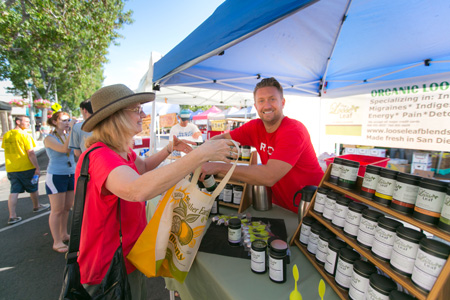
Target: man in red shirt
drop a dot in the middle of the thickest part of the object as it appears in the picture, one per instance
(288, 158)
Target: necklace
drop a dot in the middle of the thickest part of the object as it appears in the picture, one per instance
(62, 141)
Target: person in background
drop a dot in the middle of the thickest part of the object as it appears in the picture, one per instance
(185, 130)
(78, 136)
(59, 182)
(288, 158)
(117, 174)
(21, 165)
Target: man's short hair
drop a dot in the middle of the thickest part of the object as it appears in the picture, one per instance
(86, 104)
(268, 82)
(19, 118)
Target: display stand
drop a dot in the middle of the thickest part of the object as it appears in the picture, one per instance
(441, 286)
(246, 200)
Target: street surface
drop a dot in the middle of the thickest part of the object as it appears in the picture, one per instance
(29, 268)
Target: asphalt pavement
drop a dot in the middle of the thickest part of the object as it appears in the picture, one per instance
(29, 268)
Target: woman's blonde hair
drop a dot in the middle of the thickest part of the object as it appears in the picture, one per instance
(116, 132)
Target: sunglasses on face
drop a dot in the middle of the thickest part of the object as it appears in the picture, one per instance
(138, 109)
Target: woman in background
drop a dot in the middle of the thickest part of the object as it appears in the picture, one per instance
(59, 182)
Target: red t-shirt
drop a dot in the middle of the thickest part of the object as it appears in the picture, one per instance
(100, 229)
(290, 143)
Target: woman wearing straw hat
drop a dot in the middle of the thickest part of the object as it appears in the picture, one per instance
(116, 172)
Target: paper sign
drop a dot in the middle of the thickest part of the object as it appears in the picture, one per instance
(56, 107)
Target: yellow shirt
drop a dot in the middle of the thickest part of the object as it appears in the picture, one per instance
(16, 144)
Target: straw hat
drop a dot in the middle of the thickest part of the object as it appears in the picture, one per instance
(110, 99)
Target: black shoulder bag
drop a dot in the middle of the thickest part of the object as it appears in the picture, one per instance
(115, 285)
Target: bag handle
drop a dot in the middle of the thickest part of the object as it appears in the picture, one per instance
(224, 181)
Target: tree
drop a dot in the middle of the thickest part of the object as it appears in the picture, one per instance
(61, 45)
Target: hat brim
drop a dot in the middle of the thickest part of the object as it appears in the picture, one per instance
(115, 106)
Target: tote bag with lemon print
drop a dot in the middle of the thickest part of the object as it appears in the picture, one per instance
(170, 241)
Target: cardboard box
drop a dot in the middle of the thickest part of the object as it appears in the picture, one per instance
(363, 151)
(377, 152)
(424, 174)
(350, 150)
(404, 168)
(420, 166)
(422, 157)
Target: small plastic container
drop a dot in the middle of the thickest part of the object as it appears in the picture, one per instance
(335, 170)
(370, 181)
(245, 153)
(430, 260)
(277, 261)
(305, 229)
(430, 200)
(340, 211)
(353, 219)
(405, 193)
(316, 228)
(228, 193)
(322, 245)
(444, 220)
(319, 202)
(380, 287)
(234, 231)
(334, 245)
(349, 174)
(344, 268)
(360, 279)
(384, 238)
(405, 249)
(258, 256)
(366, 231)
(237, 194)
(330, 203)
(385, 186)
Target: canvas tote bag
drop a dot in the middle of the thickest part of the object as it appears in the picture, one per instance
(170, 241)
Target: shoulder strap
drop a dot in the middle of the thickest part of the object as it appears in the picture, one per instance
(78, 209)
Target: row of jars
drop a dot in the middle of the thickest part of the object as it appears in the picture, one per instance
(408, 251)
(428, 200)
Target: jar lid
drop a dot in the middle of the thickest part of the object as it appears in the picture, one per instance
(388, 173)
(341, 199)
(390, 223)
(259, 245)
(238, 187)
(409, 234)
(326, 235)
(332, 194)
(229, 186)
(317, 227)
(349, 255)
(382, 283)
(371, 214)
(435, 247)
(408, 177)
(308, 192)
(373, 169)
(234, 221)
(364, 267)
(322, 190)
(397, 295)
(278, 245)
(355, 206)
(433, 184)
(336, 244)
(308, 220)
(350, 163)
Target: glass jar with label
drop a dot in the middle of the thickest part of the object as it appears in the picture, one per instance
(258, 256)
(405, 249)
(245, 152)
(334, 245)
(305, 229)
(228, 193)
(335, 170)
(444, 220)
(321, 197)
(277, 261)
(370, 181)
(330, 202)
(234, 231)
(380, 287)
(405, 193)
(314, 237)
(353, 219)
(322, 245)
(385, 186)
(344, 268)
(340, 211)
(366, 231)
(430, 260)
(430, 199)
(360, 279)
(237, 194)
(349, 174)
(384, 238)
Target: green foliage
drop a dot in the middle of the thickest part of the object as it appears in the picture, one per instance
(61, 45)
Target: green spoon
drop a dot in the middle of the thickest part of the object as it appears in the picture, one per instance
(321, 288)
(295, 294)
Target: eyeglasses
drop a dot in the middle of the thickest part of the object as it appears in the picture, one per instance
(138, 109)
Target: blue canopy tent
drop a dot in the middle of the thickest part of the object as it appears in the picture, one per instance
(246, 112)
(314, 48)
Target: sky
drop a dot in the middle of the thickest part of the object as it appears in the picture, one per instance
(158, 26)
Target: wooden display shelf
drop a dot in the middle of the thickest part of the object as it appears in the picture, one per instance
(441, 287)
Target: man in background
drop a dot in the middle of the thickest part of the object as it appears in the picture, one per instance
(185, 130)
(78, 136)
(288, 159)
(21, 165)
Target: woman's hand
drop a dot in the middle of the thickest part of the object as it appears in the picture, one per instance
(180, 145)
(219, 150)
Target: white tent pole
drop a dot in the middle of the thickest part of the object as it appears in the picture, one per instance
(324, 77)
